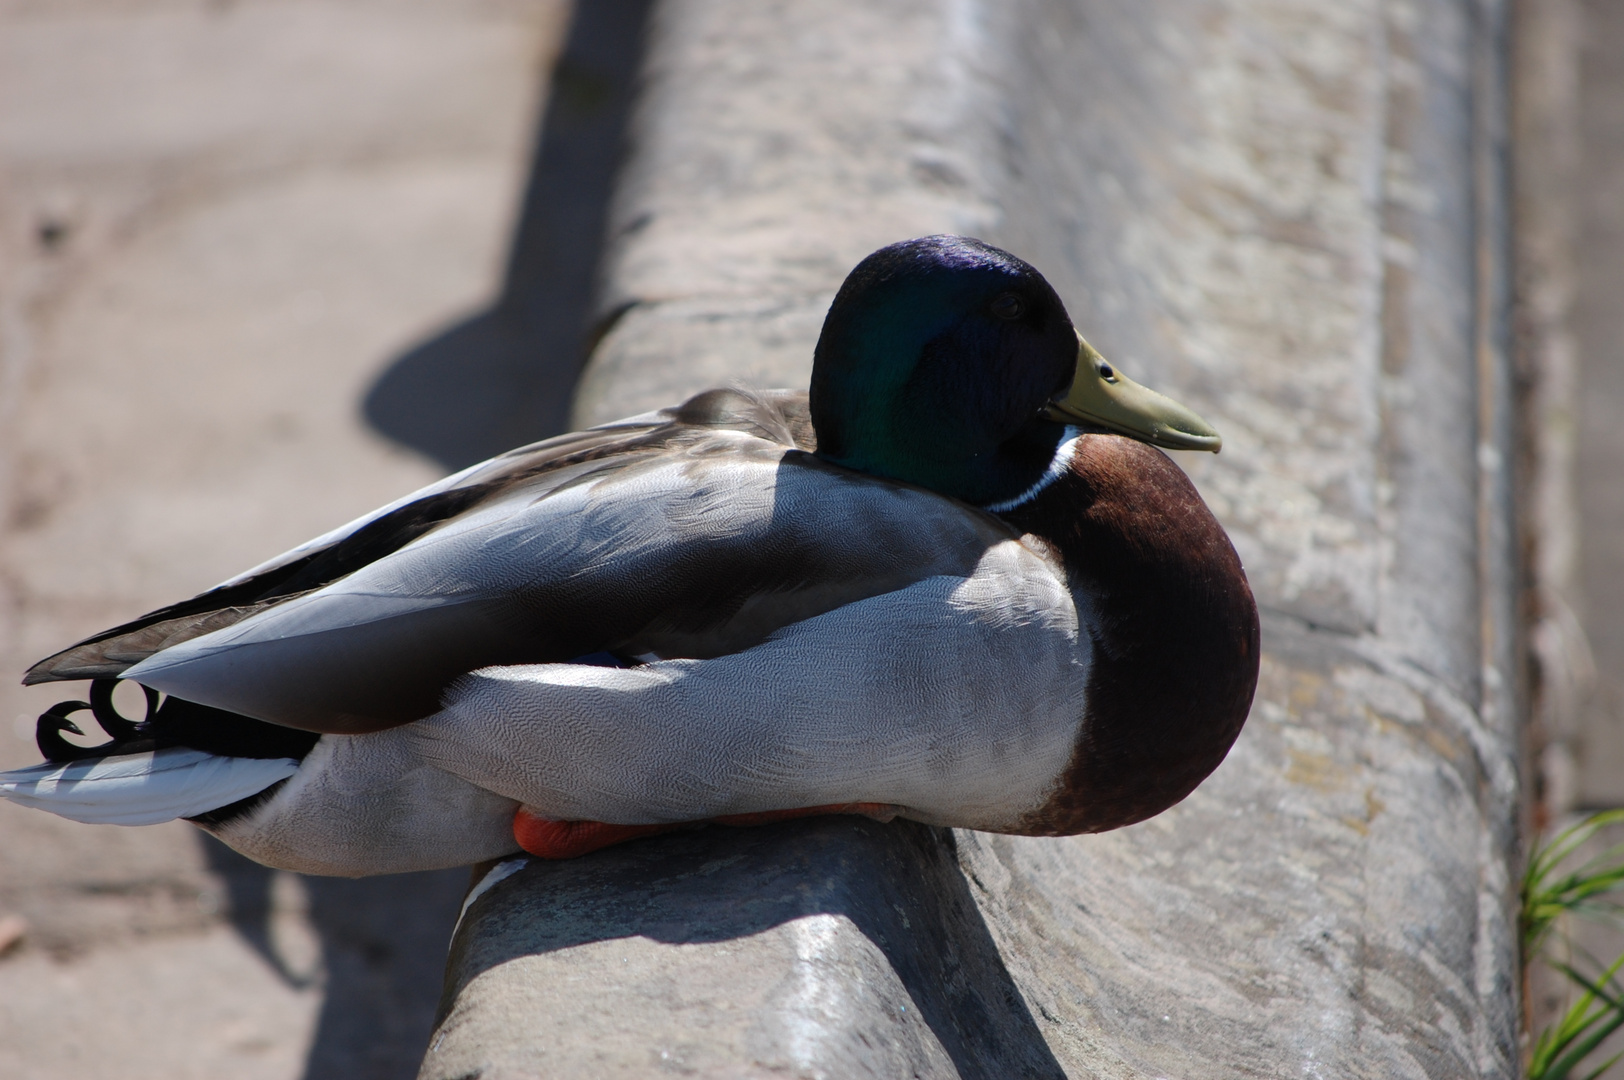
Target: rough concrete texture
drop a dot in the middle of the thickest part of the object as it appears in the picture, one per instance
(1599, 327)
(1288, 213)
(219, 222)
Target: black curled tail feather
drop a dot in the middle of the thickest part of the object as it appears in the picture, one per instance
(50, 726)
(126, 734)
(174, 722)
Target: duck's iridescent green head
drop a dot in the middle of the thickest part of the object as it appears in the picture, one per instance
(948, 363)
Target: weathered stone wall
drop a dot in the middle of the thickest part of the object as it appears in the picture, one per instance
(1291, 215)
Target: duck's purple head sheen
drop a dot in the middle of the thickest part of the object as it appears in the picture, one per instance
(1175, 631)
(948, 363)
(935, 362)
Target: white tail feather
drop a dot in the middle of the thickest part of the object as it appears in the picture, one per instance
(142, 789)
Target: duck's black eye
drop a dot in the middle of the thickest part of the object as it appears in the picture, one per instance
(1105, 371)
(1008, 306)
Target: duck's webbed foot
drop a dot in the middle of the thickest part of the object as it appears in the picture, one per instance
(547, 839)
(125, 733)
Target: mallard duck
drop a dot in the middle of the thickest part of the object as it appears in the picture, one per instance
(956, 582)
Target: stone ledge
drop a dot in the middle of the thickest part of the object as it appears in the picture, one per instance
(1288, 213)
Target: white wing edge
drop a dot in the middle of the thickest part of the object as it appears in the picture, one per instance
(142, 789)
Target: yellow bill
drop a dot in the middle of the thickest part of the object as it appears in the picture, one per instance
(1103, 396)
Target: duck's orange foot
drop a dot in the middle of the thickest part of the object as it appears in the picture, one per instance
(549, 839)
(566, 839)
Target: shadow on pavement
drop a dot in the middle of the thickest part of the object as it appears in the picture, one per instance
(383, 943)
(506, 376)
(500, 379)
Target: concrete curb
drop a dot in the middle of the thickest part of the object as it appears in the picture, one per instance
(1293, 215)
(1547, 144)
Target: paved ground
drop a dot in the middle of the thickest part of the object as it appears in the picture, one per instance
(232, 232)
(1599, 328)
(1599, 323)
(220, 224)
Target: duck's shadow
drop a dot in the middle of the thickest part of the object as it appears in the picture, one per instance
(900, 885)
(499, 379)
(383, 940)
(506, 376)
(382, 943)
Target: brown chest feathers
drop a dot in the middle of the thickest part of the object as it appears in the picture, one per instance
(1174, 627)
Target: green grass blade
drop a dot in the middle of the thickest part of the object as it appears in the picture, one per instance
(1585, 1027)
(1591, 891)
